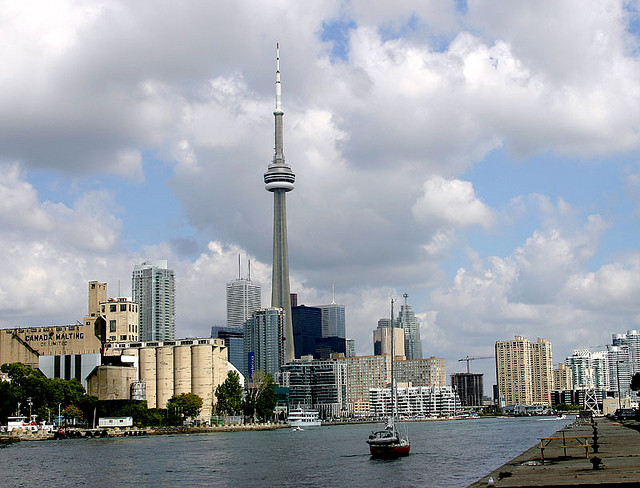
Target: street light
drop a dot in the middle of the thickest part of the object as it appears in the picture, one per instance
(30, 404)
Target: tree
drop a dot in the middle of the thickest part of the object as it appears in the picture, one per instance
(229, 395)
(185, 405)
(261, 398)
(72, 412)
(46, 394)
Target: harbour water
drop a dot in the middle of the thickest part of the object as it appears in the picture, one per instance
(444, 454)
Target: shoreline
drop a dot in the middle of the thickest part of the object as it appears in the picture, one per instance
(617, 460)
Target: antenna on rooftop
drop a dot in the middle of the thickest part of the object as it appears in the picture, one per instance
(238, 265)
(333, 301)
(249, 269)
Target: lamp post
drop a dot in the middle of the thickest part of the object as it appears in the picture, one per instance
(59, 404)
(30, 404)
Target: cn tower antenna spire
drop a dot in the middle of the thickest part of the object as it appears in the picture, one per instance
(278, 85)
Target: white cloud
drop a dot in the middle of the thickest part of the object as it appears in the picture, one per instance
(451, 202)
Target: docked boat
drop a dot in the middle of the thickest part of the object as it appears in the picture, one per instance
(304, 417)
(389, 443)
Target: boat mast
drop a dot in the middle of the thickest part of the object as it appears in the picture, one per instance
(393, 376)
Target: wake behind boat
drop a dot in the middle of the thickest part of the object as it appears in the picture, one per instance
(388, 443)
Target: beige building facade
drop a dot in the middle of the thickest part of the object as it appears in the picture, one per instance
(562, 377)
(382, 341)
(524, 371)
(170, 368)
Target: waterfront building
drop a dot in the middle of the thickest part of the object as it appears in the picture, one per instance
(279, 179)
(167, 368)
(562, 377)
(469, 387)
(263, 344)
(624, 361)
(153, 288)
(421, 372)
(409, 323)
(120, 316)
(233, 338)
(382, 341)
(588, 370)
(415, 401)
(318, 384)
(243, 298)
(363, 374)
(524, 371)
(307, 329)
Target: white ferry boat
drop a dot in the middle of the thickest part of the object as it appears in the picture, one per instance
(304, 417)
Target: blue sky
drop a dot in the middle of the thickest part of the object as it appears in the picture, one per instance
(481, 156)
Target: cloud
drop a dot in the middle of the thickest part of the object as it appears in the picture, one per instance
(451, 202)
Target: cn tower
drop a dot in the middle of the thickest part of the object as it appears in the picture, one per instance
(279, 180)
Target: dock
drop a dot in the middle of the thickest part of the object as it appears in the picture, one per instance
(615, 464)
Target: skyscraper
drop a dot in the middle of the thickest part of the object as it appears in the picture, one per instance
(524, 371)
(279, 180)
(153, 288)
(333, 320)
(262, 342)
(409, 323)
(243, 298)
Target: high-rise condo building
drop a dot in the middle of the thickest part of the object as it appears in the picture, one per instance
(409, 323)
(524, 371)
(279, 179)
(588, 369)
(562, 378)
(153, 288)
(624, 360)
(263, 345)
(469, 388)
(243, 298)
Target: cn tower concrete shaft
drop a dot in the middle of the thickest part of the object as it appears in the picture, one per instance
(279, 179)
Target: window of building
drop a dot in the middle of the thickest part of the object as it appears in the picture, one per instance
(112, 307)
(112, 338)
(123, 307)
(112, 325)
(123, 337)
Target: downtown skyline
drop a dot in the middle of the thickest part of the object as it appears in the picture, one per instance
(482, 157)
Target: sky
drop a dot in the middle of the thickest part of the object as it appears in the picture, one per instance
(481, 156)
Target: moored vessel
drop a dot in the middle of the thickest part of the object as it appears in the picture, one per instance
(304, 417)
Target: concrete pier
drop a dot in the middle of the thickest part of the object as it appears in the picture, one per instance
(619, 452)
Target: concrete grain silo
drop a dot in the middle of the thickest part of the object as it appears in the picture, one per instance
(182, 369)
(202, 377)
(148, 374)
(164, 375)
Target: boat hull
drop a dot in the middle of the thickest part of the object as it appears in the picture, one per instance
(389, 451)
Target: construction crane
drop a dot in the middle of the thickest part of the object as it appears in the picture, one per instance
(469, 359)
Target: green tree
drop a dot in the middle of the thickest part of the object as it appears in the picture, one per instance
(72, 412)
(47, 394)
(229, 395)
(185, 405)
(261, 398)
